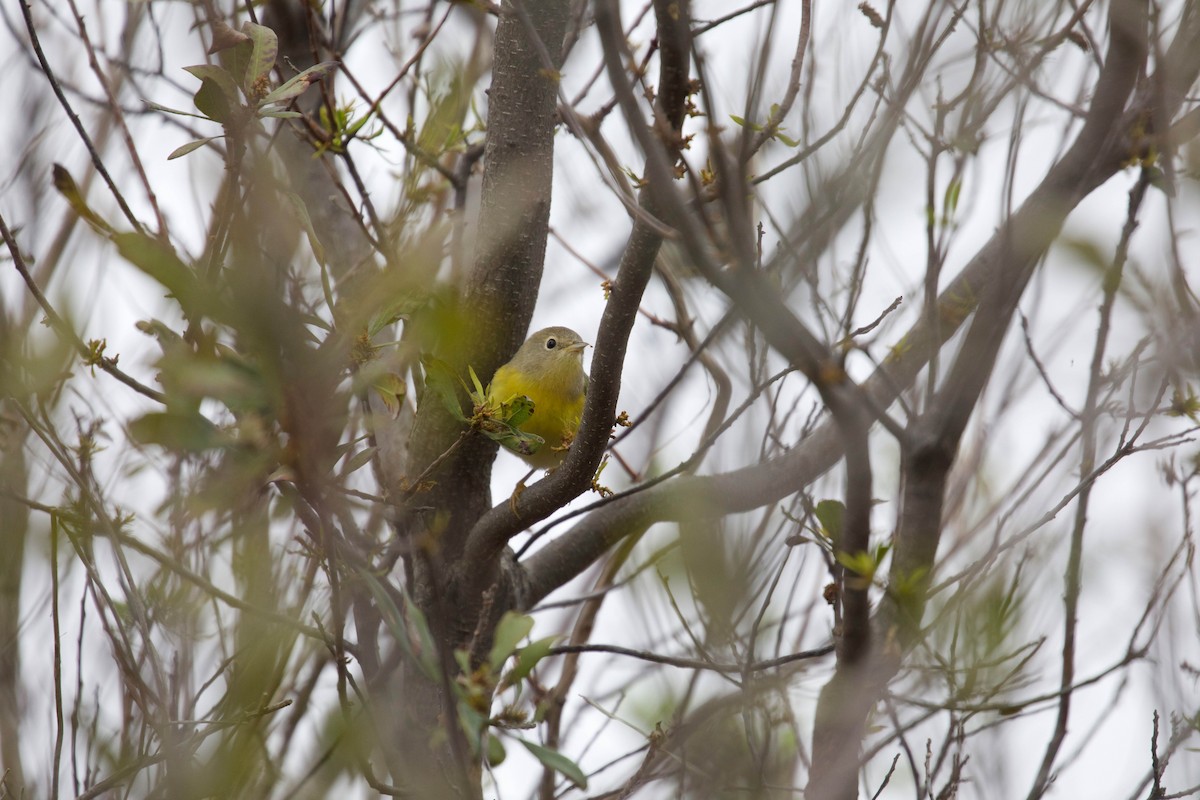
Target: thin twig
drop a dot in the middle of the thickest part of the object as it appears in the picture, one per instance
(109, 365)
(62, 99)
(693, 663)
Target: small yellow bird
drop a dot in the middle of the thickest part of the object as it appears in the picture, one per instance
(548, 369)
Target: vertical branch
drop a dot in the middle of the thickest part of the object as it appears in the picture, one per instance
(14, 528)
(775, 120)
(933, 438)
(585, 622)
(118, 115)
(633, 274)
(27, 13)
(1088, 418)
(459, 595)
(518, 170)
(502, 287)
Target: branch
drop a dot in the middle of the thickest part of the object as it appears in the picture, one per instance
(575, 474)
(87, 140)
(771, 128)
(1013, 253)
(752, 486)
(1089, 418)
(108, 365)
(503, 284)
(694, 663)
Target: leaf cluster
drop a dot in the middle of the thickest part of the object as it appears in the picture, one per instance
(239, 88)
(498, 420)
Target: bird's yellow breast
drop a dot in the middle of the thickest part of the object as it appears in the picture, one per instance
(557, 408)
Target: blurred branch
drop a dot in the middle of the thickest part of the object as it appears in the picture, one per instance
(279, 503)
(92, 358)
(581, 632)
(1098, 152)
(746, 488)
(1088, 420)
(114, 108)
(14, 533)
(83, 135)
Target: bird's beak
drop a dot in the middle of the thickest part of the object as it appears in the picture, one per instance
(577, 346)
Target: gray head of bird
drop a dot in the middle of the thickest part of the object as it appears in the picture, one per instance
(553, 355)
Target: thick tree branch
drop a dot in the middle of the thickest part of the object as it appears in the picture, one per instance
(575, 474)
(464, 598)
(503, 285)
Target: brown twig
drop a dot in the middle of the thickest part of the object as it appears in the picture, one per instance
(27, 13)
(105, 363)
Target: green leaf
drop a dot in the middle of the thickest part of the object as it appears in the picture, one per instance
(950, 201)
(213, 102)
(1159, 180)
(218, 94)
(314, 321)
(1089, 252)
(217, 74)
(830, 514)
(237, 58)
(263, 52)
(230, 380)
(169, 110)
(504, 429)
(442, 126)
(391, 390)
(354, 127)
(300, 211)
(281, 114)
(159, 261)
(1184, 403)
(173, 430)
(393, 312)
(180, 152)
(409, 628)
(360, 460)
(299, 84)
(473, 725)
(225, 37)
(67, 187)
(881, 551)
(479, 392)
(518, 410)
(519, 442)
(862, 563)
(160, 331)
(511, 629)
(741, 123)
(495, 751)
(440, 380)
(557, 762)
(528, 658)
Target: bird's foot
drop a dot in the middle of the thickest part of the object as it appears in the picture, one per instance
(518, 490)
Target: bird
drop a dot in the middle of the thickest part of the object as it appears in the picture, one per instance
(548, 369)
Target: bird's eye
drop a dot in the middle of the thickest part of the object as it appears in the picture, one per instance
(551, 343)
